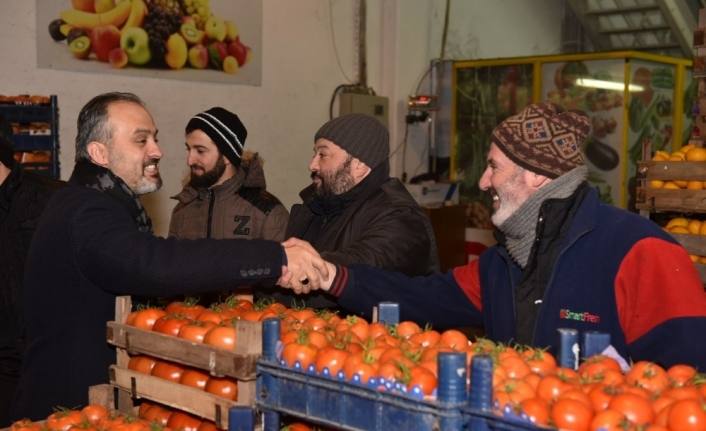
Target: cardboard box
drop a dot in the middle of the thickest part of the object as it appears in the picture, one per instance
(434, 194)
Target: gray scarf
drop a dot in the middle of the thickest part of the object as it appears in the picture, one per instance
(520, 228)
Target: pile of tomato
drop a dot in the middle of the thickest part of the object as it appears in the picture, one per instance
(94, 417)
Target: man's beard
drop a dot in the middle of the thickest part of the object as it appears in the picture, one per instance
(337, 182)
(510, 195)
(134, 179)
(208, 178)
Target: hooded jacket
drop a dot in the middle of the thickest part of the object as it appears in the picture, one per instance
(615, 272)
(238, 208)
(376, 222)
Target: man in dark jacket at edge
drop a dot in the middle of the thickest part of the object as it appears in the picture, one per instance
(23, 196)
(564, 259)
(353, 212)
(95, 242)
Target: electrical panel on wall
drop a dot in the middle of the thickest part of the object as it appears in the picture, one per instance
(377, 106)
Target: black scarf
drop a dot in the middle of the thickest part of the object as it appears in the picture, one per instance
(88, 174)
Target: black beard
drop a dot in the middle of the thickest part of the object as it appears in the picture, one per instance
(336, 183)
(209, 178)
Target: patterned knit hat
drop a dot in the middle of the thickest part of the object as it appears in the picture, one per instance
(362, 136)
(544, 138)
(225, 130)
(6, 145)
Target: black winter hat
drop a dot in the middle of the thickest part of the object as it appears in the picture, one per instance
(225, 130)
(362, 136)
(6, 145)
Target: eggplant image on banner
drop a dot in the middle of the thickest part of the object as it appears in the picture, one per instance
(600, 154)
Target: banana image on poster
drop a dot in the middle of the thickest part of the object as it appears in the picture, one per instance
(159, 34)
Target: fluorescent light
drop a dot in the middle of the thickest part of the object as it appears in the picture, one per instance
(608, 85)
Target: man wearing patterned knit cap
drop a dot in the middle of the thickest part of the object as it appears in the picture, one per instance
(225, 195)
(353, 212)
(564, 259)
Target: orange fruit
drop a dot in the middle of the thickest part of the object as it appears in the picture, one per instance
(663, 154)
(670, 185)
(695, 185)
(656, 184)
(677, 156)
(694, 258)
(696, 154)
(659, 158)
(678, 221)
(702, 259)
(679, 229)
(694, 227)
(685, 149)
(702, 229)
(681, 183)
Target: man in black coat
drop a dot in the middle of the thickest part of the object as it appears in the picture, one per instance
(22, 199)
(95, 242)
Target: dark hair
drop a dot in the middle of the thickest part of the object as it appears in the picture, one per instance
(93, 122)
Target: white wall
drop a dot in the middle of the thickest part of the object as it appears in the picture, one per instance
(300, 72)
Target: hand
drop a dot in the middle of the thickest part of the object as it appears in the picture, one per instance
(307, 267)
(285, 278)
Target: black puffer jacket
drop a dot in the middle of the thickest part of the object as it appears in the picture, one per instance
(22, 199)
(376, 222)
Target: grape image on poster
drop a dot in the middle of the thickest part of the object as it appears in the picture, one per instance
(196, 40)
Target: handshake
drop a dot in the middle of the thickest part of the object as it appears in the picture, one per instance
(305, 270)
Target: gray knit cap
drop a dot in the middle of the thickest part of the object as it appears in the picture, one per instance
(362, 136)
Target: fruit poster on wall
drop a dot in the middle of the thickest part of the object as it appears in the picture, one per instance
(194, 40)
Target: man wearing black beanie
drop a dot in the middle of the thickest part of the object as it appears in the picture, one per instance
(353, 212)
(22, 199)
(225, 195)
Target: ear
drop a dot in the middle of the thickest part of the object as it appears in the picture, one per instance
(360, 169)
(537, 180)
(98, 152)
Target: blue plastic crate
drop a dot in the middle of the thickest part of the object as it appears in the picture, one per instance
(350, 406)
(33, 142)
(28, 113)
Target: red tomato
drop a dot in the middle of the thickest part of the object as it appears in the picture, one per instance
(141, 363)
(423, 378)
(687, 415)
(550, 387)
(427, 338)
(609, 420)
(359, 365)
(95, 413)
(680, 375)
(512, 391)
(188, 308)
(636, 408)
(514, 366)
(647, 375)
(596, 365)
(536, 409)
(25, 425)
(195, 378)
(331, 358)
(571, 415)
(157, 414)
(225, 387)
(208, 426)
(144, 319)
(303, 353)
(390, 371)
(63, 419)
(195, 330)
(215, 314)
(183, 420)
(457, 340)
(376, 329)
(406, 329)
(540, 361)
(170, 324)
(221, 336)
(168, 370)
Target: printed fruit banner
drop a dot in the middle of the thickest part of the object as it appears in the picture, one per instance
(195, 40)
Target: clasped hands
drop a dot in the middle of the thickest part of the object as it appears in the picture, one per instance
(305, 270)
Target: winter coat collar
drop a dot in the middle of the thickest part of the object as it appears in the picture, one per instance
(88, 174)
(9, 186)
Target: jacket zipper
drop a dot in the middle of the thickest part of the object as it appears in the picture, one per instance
(211, 203)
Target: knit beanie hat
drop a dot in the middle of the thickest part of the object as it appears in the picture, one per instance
(6, 146)
(362, 136)
(225, 130)
(544, 138)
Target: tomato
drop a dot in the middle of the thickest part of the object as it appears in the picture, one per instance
(95, 413)
(377, 329)
(636, 408)
(595, 366)
(455, 339)
(432, 353)
(533, 379)
(512, 391)
(571, 415)
(194, 378)
(298, 352)
(189, 308)
(141, 363)
(662, 402)
(158, 414)
(221, 336)
(687, 415)
(145, 318)
(170, 324)
(682, 392)
(647, 375)
(215, 314)
(195, 330)
(422, 378)
(297, 426)
(609, 420)
(135, 425)
(63, 419)
(539, 361)
(331, 358)
(601, 395)
(361, 366)
(515, 366)
(576, 394)
(225, 387)
(427, 338)
(390, 371)
(112, 421)
(183, 420)
(536, 409)
(314, 323)
(355, 325)
(680, 375)
(406, 329)
(168, 370)
(25, 425)
(550, 387)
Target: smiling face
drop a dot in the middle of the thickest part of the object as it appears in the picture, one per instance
(208, 166)
(331, 169)
(508, 184)
(133, 153)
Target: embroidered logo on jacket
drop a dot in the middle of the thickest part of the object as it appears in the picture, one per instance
(241, 229)
(583, 316)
